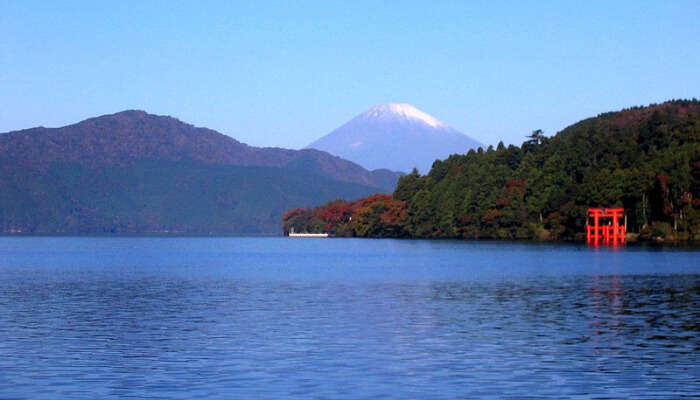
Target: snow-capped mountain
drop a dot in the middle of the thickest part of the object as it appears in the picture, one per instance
(395, 136)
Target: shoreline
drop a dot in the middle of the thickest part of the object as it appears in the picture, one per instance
(633, 243)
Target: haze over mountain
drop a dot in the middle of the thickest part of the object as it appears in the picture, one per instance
(133, 172)
(395, 136)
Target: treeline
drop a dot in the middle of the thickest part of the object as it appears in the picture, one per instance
(645, 159)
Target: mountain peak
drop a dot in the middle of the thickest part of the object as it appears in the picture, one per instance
(395, 136)
(402, 110)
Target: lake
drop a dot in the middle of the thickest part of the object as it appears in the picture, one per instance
(87, 318)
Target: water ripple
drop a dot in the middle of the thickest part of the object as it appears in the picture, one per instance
(162, 330)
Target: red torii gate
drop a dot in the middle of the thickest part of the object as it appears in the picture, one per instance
(612, 232)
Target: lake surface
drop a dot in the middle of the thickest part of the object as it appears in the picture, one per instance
(344, 318)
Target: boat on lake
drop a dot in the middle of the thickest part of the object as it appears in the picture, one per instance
(307, 235)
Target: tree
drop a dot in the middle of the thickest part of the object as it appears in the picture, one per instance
(407, 186)
(420, 214)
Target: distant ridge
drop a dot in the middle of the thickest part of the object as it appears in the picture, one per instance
(395, 136)
(123, 137)
(134, 172)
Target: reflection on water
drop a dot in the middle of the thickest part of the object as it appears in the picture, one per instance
(357, 319)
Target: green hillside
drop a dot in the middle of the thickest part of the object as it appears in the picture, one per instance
(132, 172)
(159, 197)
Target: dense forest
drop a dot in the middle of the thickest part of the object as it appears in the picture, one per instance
(645, 159)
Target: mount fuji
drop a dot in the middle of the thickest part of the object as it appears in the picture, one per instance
(395, 136)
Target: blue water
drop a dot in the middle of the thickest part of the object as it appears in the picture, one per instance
(343, 318)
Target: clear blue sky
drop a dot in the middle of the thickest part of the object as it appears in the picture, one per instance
(286, 73)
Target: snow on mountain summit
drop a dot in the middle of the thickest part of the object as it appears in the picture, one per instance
(395, 136)
(402, 110)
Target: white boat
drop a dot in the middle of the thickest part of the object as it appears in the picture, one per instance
(307, 235)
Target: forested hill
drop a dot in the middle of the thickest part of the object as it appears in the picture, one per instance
(134, 173)
(130, 136)
(646, 159)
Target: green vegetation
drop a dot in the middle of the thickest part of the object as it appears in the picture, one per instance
(164, 197)
(645, 159)
(135, 173)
